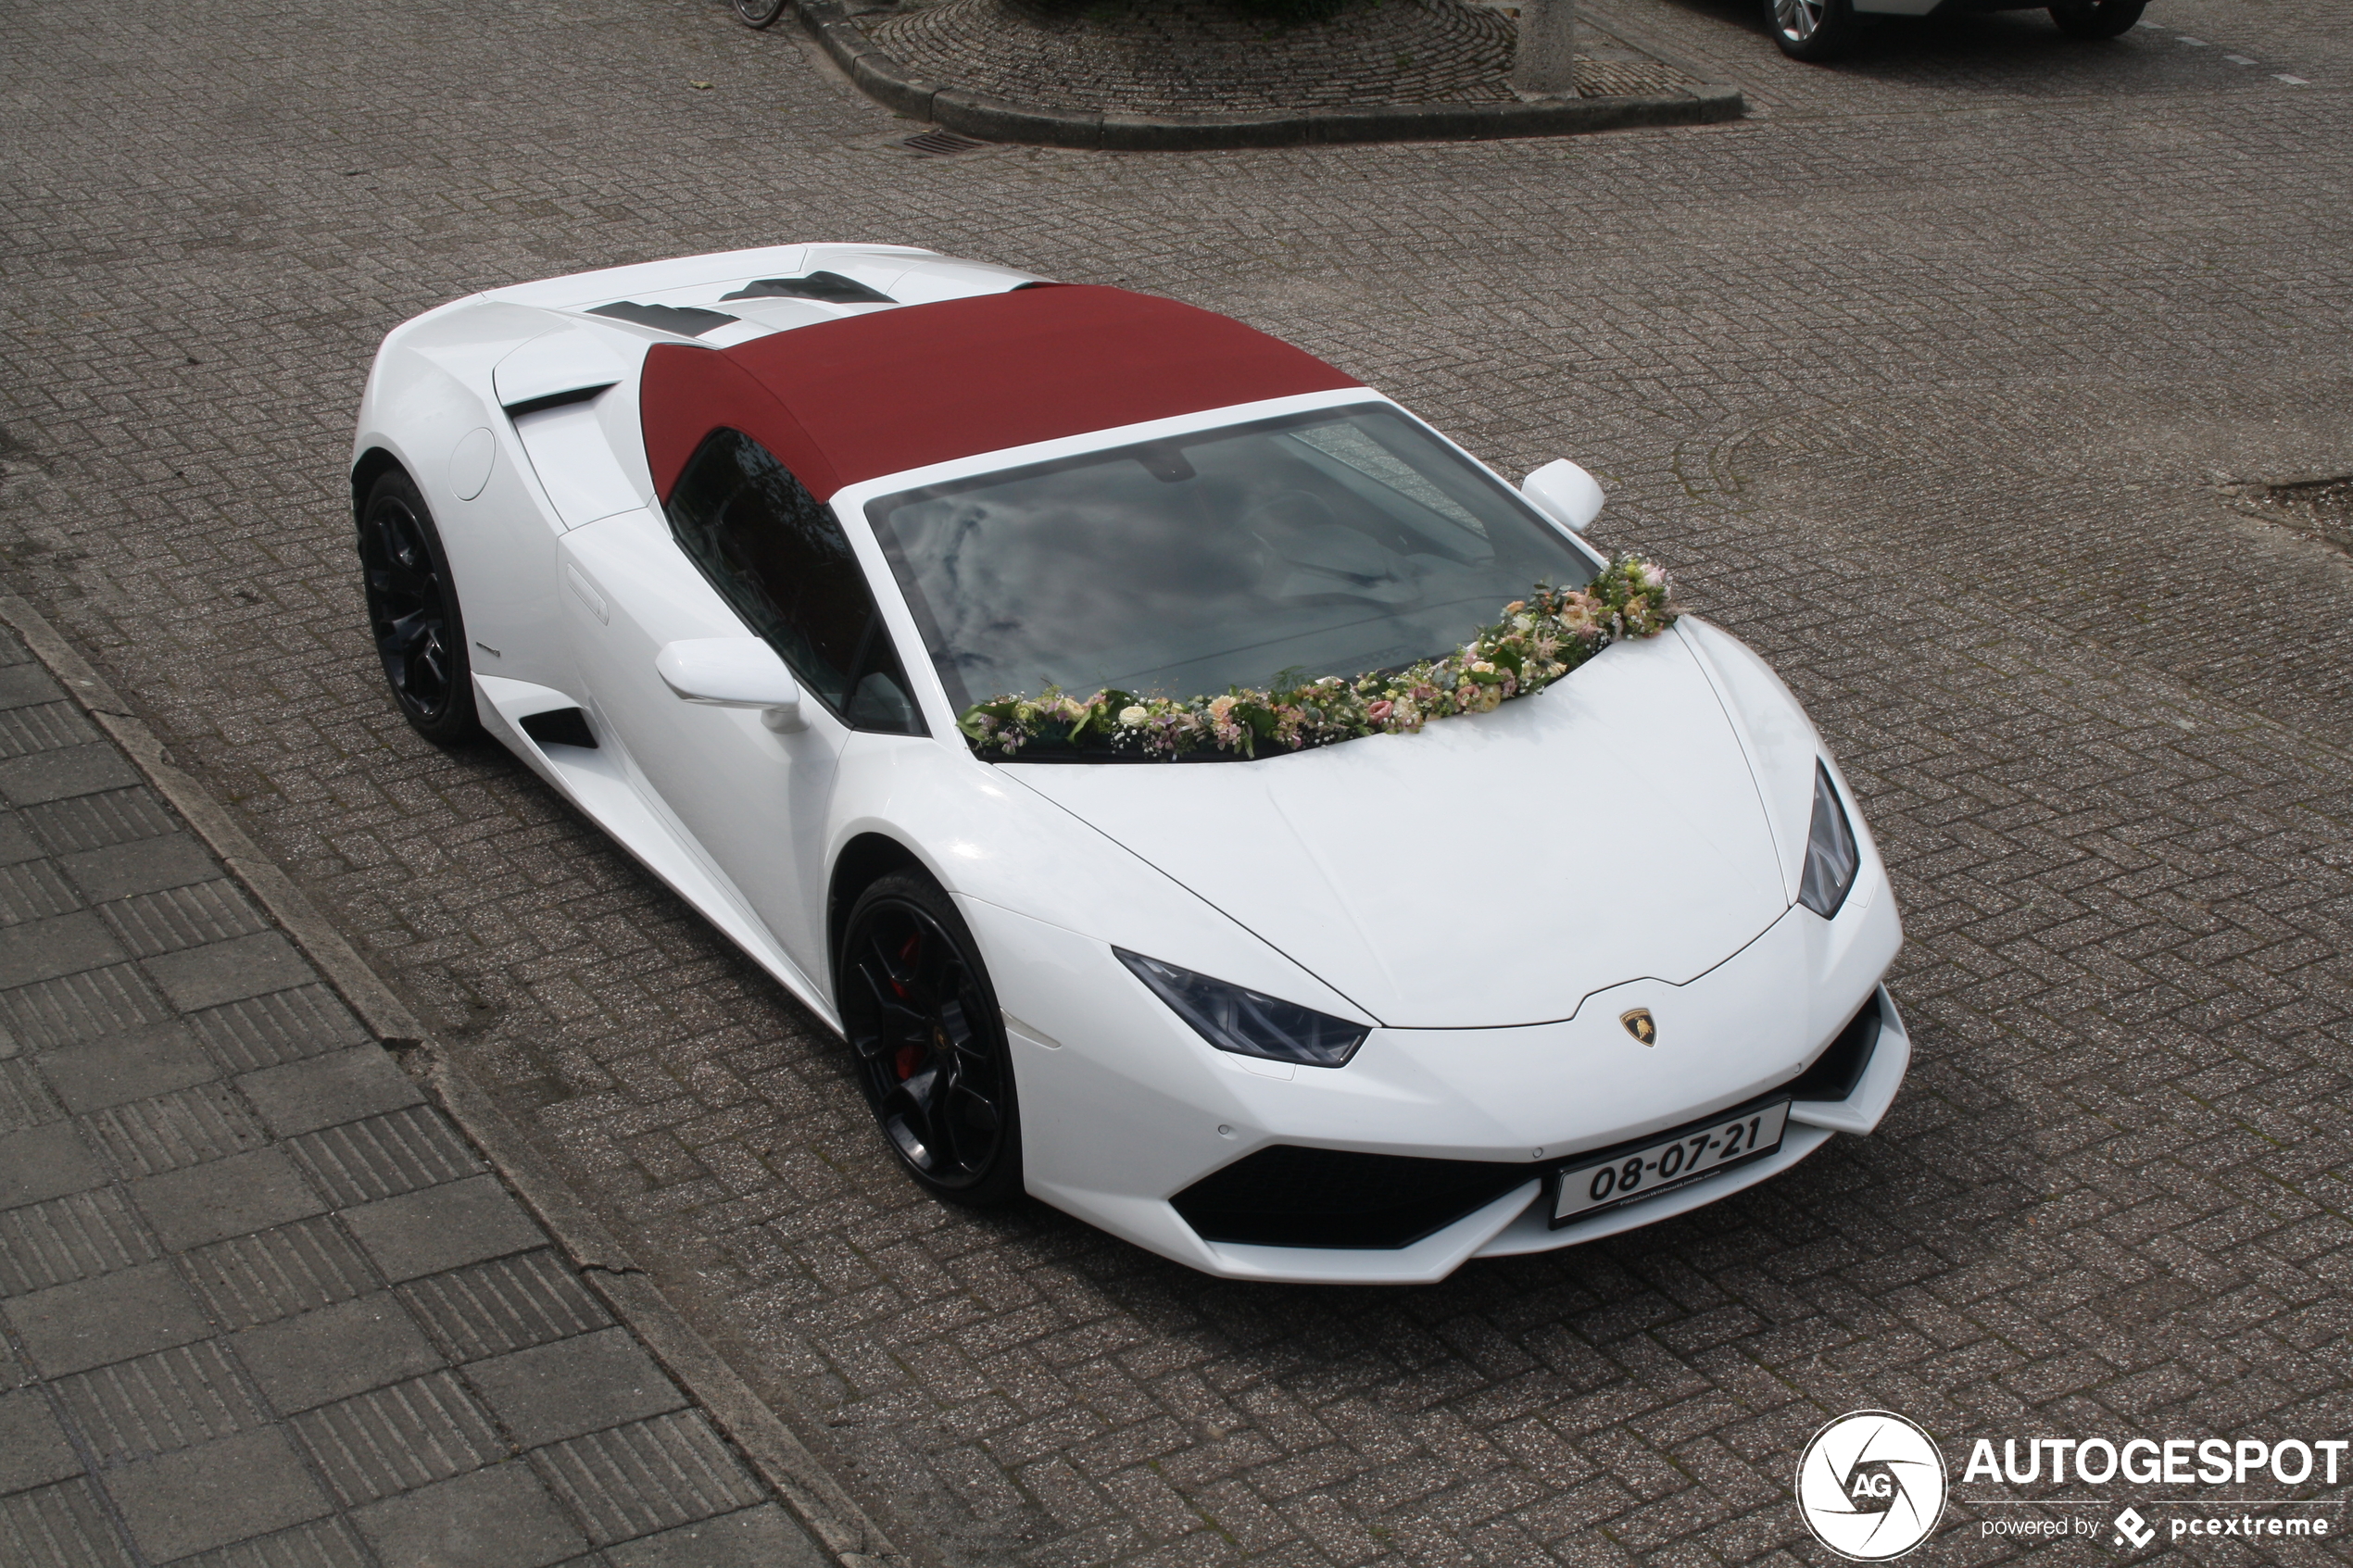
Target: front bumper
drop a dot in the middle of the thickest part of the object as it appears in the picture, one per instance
(1124, 1110)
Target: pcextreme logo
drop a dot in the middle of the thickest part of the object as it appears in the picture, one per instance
(1870, 1486)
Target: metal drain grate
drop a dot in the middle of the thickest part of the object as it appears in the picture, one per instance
(940, 143)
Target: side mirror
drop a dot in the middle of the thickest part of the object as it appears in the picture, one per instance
(1565, 492)
(733, 672)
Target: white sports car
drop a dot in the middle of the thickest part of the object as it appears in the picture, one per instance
(1204, 796)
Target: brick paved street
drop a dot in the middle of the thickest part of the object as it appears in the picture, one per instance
(263, 1305)
(1928, 378)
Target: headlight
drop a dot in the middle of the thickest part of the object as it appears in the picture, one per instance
(1244, 1022)
(1831, 855)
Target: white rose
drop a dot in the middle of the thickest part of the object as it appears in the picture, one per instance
(1133, 716)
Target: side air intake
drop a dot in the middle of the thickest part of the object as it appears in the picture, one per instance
(560, 726)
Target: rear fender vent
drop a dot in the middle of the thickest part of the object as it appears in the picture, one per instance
(1286, 1195)
(557, 400)
(560, 726)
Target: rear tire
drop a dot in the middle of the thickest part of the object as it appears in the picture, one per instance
(1811, 30)
(758, 13)
(931, 1057)
(412, 612)
(2097, 19)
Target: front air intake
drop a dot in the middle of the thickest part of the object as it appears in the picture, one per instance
(1285, 1195)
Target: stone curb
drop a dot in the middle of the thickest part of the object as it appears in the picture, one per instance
(883, 79)
(781, 1458)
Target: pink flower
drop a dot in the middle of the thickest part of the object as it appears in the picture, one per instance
(1380, 710)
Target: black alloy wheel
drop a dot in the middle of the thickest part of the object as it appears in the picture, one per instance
(412, 612)
(917, 1007)
(758, 13)
(2097, 19)
(1811, 30)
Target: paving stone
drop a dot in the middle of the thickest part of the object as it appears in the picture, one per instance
(147, 1137)
(34, 1451)
(324, 1090)
(496, 1518)
(89, 1005)
(650, 1475)
(60, 1527)
(25, 729)
(17, 843)
(277, 1273)
(93, 821)
(560, 1390)
(59, 776)
(398, 1439)
(32, 890)
(110, 1317)
(442, 1227)
(756, 1537)
(322, 1543)
(335, 1351)
(507, 1304)
(246, 1192)
(70, 1238)
(381, 1156)
(127, 1067)
(224, 1491)
(174, 1398)
(44, 949)
(141, 865)
(42, 1163)
(25, 1099)
(202, 912)
(23, 685)
(283, 1026)
(202, 977)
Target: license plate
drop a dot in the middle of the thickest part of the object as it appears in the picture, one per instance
(1670, 1162)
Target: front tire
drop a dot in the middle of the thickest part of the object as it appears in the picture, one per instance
(412, 612)
(2097, 19)
(1811, 30)
(758, 13)
(923, 1021)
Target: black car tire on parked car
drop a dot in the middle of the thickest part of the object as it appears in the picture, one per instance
(2097, 19)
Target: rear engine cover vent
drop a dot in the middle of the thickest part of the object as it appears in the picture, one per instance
(831, 288)
(1291, 1197)
(687, 321)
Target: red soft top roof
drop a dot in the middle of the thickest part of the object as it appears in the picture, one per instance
(851, 399)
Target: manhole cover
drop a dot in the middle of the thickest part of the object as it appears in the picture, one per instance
(940, 143)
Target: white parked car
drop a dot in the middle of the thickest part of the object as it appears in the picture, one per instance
(777, 564)
(1823, 29)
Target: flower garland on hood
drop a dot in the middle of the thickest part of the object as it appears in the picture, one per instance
(1539, 640)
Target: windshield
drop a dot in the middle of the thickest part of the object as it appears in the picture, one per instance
(1335, 542)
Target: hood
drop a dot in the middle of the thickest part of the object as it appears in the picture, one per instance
(1493, 870)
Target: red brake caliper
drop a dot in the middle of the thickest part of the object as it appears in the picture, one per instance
(910, 1057)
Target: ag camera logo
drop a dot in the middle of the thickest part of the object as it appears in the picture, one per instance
(1870, 1486)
